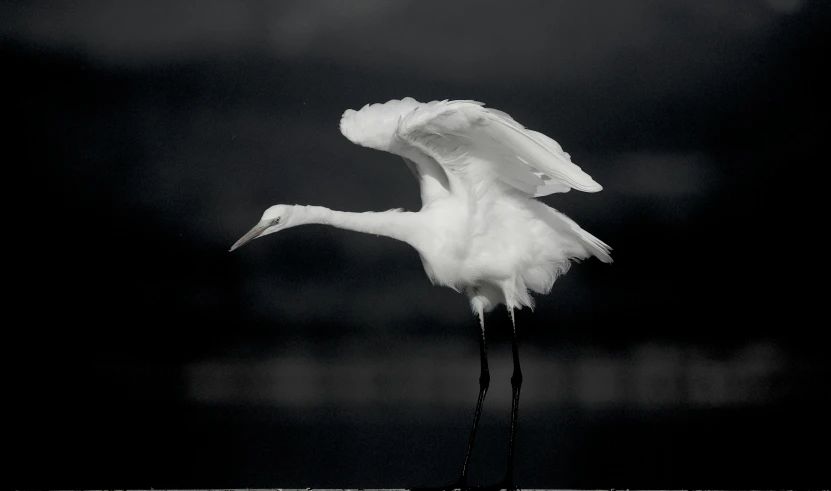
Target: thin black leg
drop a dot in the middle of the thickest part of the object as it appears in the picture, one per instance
(516, 384)
(484, 382)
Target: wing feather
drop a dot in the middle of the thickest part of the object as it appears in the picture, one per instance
(540, 152)
(461, 133)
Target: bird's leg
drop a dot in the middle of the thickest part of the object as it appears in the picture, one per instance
(516, 384)
(484, 382)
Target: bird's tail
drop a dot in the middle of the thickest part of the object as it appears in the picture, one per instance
(597, 247)
(593, 246)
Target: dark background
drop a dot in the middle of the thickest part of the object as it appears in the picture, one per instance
(144, 138)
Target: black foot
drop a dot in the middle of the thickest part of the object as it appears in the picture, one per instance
(461, 484)
(506, 484)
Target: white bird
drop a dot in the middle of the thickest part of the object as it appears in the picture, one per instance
(479, 229)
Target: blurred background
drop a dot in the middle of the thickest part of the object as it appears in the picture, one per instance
(146, 137)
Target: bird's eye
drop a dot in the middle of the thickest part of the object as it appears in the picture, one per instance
(276, 221)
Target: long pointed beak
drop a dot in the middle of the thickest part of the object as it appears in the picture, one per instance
(251, 235)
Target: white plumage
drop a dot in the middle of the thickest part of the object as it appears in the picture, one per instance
(479, 230)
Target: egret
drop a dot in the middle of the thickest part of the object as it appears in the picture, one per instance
(479, 231)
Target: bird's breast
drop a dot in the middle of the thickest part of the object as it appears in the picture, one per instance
(445, 242)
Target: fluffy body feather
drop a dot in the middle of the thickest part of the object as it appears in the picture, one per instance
(479, 229)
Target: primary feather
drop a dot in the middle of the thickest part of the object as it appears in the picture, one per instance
(480, 228)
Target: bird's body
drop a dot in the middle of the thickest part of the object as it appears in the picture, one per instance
(499, 250)
(480, 229)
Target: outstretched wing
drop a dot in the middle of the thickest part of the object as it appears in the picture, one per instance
(484, 145)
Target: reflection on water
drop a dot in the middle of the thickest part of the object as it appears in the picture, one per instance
(649, 376)
(652, 417)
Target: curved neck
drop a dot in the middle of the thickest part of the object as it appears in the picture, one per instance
(397, 224)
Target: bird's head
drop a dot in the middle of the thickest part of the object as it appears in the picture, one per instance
(274, 219)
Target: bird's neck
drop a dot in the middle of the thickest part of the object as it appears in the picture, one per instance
(396, 224)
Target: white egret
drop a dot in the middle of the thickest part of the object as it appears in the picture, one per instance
(479, 230)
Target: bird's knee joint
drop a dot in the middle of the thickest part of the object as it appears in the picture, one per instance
(516, 379)
(484, 380)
